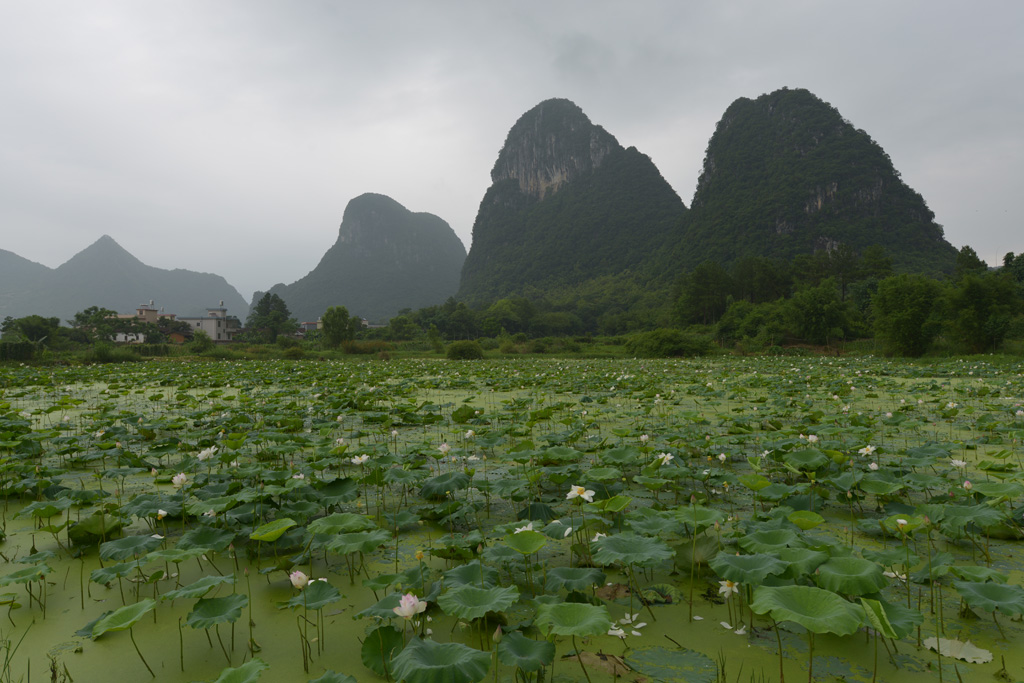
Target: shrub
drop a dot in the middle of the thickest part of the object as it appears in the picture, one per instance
(18, 350)
(665, 342)
(201, 342)
(103, 352)
(293, 352)
(464, 350)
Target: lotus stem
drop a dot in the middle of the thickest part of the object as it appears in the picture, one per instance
(139, 652)
(579, 658)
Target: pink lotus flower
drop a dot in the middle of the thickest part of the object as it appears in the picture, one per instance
(409, 606)
(298, 579)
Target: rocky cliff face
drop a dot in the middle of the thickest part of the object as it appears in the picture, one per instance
(386, 258)
(567, 205)
(785, 174)
(551, 145)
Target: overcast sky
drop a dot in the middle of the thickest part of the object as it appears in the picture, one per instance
(229, 136)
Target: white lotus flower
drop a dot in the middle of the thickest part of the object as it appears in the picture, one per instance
(580, 492)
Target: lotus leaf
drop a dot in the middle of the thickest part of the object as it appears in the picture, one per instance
(770, 540)
(271, 531)
(573, 578)
(573, 619)
(472, 573)
(362, 541)
(1007, 598)
(379, 649)
(129, 546)
(958, 649)
(816, 609)
(806, 460)
(889, 619)
(333, 677)
(630, 549)
(105, 575)
(749, 569)
(341, 523)
(123, 618)
(850, 576)
(246, 673)
(527, 654)
(198, 588)
(424, 661)
(208, 538)
(212, 611)
(800, 561)
(526, 542)
(469, 602)
(439, 487)
(805, 519)
(316, 595)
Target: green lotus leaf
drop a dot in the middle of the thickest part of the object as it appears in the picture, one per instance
(175, 555)
(247, 673)
(472, 573)
(800, 561)
(999, 489)
(620, 455)
(573, 619)
(343, 490)
(699, 517)
(1007, 598)
(958, 517)
(440, 486)
(891, 620)
(123, 618)
(516, 650)
(198, 588)
(208, 538)
(806, 460)
(630, 549)
(978, 574)
(602, 475)
(879, 487)
(470, 602)
(424, 661)
(26, 575)
(332, 677)
(816, 609)
(749, 569)
(805, 519)
(316, 595)
(616, 503)
(217, 504)
(44, 509)
(129, 546)
(379, 649)
(648, 522)
(891, 557)
(754, 482)
(212, 611)
(384, 608)
(573, 578)
(651, 483)
(776, 491)
(105, 575)
(850, 576)
(271, 531)
(526, 542)
(341, 523)
(770, 540)
(358, 542)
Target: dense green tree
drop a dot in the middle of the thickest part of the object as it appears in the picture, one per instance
(817, 315)
(705, 294)
(339, 326)
(978, 310)
(968, 263)
(100, 324)
(271, 317)
(903, 310)
(33, 328)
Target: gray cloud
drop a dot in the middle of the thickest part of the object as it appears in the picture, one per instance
(228, 137)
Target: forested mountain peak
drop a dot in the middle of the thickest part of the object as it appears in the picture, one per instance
(786, 174)
(386, 258)
(569, 212)
(551, 145)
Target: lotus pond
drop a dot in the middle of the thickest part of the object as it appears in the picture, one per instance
(735, 519)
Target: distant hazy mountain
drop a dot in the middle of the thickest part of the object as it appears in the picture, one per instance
(104, 274)
(785, 174)
(568, 205)
(386, 258)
